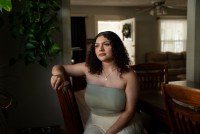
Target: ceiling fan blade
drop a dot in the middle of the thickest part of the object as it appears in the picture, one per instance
(182, 4)
(176, 7)
(144, 10)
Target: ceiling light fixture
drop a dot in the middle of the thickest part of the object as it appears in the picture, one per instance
(159, 10)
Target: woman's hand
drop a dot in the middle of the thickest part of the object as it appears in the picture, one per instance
(59, 73)
(57, 81)
(109, 131)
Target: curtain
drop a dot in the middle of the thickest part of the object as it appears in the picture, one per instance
(78, 34)
(173, 35)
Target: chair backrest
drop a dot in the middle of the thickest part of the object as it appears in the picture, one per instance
(183, 105)
(151, 75)
(5, 100)
(70, 111)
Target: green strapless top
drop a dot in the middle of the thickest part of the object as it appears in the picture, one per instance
(105, 100)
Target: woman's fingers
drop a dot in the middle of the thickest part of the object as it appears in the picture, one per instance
(60, 86)
(53, 82)
(57, 82)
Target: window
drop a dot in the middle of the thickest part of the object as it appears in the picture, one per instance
(173, 35)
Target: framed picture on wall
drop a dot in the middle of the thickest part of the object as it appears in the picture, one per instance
(126, 31)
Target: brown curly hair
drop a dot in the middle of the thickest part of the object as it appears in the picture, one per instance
(120, 54)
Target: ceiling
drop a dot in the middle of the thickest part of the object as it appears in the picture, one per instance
(136, 3)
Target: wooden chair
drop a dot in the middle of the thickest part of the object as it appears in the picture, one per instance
(70, 111)
(183, 105)
(5, 100)
(151, 75)
(150, 101)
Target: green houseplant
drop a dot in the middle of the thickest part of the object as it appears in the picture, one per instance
(6, 5)
(35, 24)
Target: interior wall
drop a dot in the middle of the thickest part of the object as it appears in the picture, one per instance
(193, 47)
(146, 37)
(146, 25)
(35, 103)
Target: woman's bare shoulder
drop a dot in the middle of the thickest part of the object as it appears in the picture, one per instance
(130, 75)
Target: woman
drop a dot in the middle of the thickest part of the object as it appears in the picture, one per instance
(111, 90)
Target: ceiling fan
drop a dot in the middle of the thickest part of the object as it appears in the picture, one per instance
(158, 7)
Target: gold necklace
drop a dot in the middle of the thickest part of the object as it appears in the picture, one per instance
(106, 76)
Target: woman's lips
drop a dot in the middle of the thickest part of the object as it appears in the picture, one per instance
(102, 54)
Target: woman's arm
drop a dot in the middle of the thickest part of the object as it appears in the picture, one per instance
(131, 92)
(59, 72)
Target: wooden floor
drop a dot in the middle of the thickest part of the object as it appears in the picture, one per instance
(37, 130)
(154, 126)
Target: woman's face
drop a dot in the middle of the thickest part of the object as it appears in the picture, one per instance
(103, 49)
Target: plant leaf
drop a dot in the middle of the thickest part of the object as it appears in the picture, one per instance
(29, 46)
(6, 4)
(43, 61)
(36, 24)
(29, 58)
(55, 49)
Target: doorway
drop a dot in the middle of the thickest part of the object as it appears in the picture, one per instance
(125, 29)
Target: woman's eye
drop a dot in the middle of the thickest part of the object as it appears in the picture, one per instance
(107, 44)
(96, 45)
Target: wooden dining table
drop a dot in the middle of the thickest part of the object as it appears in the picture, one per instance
(152, 102)
(186, 84)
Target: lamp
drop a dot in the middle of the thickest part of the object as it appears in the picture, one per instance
(158, 10)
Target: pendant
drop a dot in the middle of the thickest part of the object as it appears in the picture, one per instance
(106, 79)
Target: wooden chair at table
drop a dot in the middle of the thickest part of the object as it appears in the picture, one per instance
(151, 75)
(151, 102)
(70, 111)
(183, 105)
